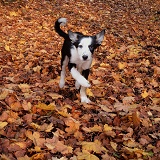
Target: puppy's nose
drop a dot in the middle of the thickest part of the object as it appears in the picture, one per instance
(84, 57)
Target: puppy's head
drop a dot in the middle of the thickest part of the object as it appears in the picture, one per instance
(86, 45)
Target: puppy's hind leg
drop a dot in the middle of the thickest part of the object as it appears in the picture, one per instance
(64, 62)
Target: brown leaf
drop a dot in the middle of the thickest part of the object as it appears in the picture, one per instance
(136, 119)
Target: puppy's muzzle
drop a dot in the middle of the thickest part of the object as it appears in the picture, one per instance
(85, 57)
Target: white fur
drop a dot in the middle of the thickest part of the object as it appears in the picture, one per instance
(83, 95)
(63, 21)
(77, 53)
(84, 50)
(79, 78)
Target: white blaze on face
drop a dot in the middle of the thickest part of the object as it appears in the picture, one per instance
(83, 48)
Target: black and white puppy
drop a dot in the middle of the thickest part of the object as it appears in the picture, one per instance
(77, 51)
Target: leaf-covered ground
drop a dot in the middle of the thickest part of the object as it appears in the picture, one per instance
(40, 121)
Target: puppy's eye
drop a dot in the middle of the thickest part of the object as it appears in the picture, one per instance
(80, 46)
(91, 47)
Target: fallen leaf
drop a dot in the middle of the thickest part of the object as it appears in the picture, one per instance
(55, 95)
(7, 48)
(4, 94)
(85, 155)
(95, 128)
(120, 106)
(24, 87)
(144, 94)
(107, 128)
(128, 100)
(13, 13)
(3, 124)
(95, 146)
(114, 145)
(89, 92)
(121, 65)
(72, 124)
(136, 119)
(43, 106)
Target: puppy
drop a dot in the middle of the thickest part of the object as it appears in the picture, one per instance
(77, 52)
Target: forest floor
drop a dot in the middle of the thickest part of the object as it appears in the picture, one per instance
(40, 121)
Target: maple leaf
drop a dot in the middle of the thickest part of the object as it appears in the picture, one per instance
(114, 145)
(4, 94)
(54, 95)
(95, 128)
(24, 87)
(144, 94)
(93, 146)
(72, 124)
(85, 155)
(136, 119)
(46, 107)
(7, 48)
(120, 106)
(107, 128)
(3, 124)
(26, 105)
(121, 65)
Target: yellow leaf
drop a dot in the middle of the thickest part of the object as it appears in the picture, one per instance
(64, 114)
(37, 69)
(114, 145)
(85, 155)
(38, 156)
(3, 95)
(104, 65)
(107, 128)
(89, 92)
(55, 95)
(35, 126)
(7, 48)
(21, 144)
(130, 143)
(37, 149)
(93, 146)
(3, 124)
(96, 128)
(29, 134)
(24, 87)
(49, 128)
(46, 107)
(144, 94)
(13, 13)
(121, 65)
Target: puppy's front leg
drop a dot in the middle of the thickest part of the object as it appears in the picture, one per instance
(83, 95)
(79, 78)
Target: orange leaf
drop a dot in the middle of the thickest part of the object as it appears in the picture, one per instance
(136, 119)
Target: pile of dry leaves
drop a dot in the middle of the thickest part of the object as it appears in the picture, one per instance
(38, 120)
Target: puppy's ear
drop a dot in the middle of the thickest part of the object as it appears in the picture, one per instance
(73, 36)
(99, 37)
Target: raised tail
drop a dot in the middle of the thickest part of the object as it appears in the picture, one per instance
(61, 21)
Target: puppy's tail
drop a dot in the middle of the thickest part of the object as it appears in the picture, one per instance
(61, 21)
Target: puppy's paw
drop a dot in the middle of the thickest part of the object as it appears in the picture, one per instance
(77, 85)
(85, 100)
